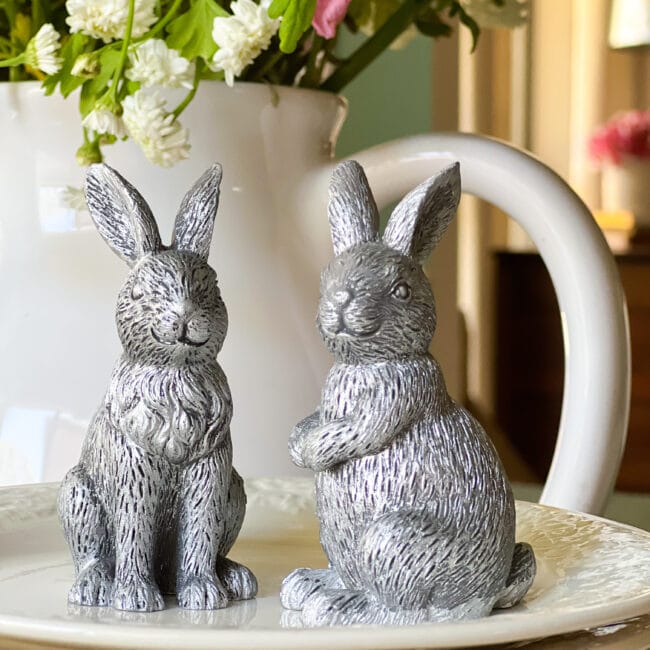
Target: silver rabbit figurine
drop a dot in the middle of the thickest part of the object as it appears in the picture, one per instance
(417, 517)
(154, 504)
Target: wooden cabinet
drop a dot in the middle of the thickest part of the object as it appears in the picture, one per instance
(529, 361)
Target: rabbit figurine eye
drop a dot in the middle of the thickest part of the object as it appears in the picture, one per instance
(402, 291)
(203, 277)
(136, 292)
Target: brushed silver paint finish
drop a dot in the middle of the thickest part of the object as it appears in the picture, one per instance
(416, 514)
(154, 504)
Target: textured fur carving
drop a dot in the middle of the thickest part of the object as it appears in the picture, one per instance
(154, 504)
(417, 516)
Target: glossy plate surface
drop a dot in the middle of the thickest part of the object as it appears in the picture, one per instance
(592, 572)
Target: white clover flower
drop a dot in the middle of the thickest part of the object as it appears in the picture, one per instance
(74, 198)
(42, 51)
(242, 36)
(160, 135)
(155, 64)
(513, 13)
(103, 120)
(106, 19)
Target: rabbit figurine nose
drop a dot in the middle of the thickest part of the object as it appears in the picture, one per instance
(342, 297)
(197, 328)
(182, 315)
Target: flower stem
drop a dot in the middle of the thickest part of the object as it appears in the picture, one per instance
(16, 60)
(124, 52)
(311, 78)
(270, 61)
(164, 21)
(374, 46)
(195, 86)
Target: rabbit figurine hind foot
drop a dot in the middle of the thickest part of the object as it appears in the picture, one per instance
(321, 598)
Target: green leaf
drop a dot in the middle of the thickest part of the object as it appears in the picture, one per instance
(429, 23)
(213, 76)
(472, 25)
(10, 9)
(191, 32)
(467, 20)
(74, 46)
(21, 31)
(296, 19)
(132, 87)
(93, 89)
(278, 7)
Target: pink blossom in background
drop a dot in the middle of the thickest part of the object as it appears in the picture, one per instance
(627, 134)
(329, 13)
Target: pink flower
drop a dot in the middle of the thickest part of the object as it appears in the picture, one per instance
(627, 134)
(329, 13)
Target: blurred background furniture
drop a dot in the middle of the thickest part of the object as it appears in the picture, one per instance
(530, 361)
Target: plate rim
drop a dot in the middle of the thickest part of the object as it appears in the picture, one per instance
(69, 633)
(425, 635)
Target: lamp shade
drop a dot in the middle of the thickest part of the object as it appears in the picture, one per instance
(629, 24)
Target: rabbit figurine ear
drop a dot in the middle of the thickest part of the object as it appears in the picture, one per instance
(121, 215)
(352, 211)
(195, 218)
(419, 221)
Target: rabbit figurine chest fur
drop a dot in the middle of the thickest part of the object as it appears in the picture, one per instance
(416, 514)
(154, 504)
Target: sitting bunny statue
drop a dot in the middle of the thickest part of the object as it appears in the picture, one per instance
(154, 504)
(417, 517)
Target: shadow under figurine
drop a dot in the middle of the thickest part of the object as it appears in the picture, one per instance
(417, 517)
(154, 504)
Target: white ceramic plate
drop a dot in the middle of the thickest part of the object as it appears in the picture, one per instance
(592, 572)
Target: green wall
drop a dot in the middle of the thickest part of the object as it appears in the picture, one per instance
(389, 99)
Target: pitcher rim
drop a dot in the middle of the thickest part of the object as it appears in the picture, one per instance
(238, 86)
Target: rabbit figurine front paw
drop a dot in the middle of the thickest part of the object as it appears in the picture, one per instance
(417, 518)
(154, 504)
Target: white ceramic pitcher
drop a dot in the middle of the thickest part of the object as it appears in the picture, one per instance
(59, 281)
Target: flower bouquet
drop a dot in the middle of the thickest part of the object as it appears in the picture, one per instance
(626, 135)
(120, 53)
(622, 148)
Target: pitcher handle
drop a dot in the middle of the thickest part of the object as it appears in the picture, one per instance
(595, 404)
